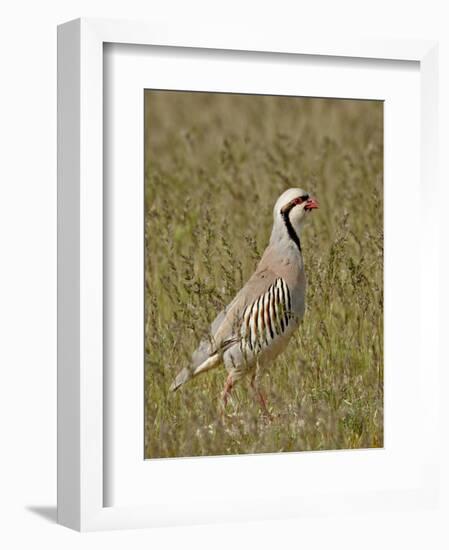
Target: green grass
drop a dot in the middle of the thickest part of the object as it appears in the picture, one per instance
(214, 167)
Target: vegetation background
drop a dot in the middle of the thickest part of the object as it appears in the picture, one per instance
(214, 167)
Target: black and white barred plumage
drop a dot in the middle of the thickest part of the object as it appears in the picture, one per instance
(266, 318)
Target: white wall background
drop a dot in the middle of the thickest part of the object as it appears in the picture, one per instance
(28, 269)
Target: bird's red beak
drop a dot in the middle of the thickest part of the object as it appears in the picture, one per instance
(311, 204)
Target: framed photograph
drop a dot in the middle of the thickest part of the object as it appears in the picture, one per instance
(233, 244)
(243, 300)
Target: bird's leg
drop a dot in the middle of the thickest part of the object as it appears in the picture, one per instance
(260, 396)
(229, 384)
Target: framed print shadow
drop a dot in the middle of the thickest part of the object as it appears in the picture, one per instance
(234, 285)
(238, 296)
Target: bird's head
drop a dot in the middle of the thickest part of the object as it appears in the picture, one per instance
(290, 211)
(296, 204)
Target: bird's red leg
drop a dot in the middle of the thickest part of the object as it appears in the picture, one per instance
(260, 398)
(227, 390)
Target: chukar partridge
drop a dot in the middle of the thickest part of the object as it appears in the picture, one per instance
(258, 324)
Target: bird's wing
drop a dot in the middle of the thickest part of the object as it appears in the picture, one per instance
(225, 329)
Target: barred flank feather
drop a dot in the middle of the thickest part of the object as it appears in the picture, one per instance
(267, 317)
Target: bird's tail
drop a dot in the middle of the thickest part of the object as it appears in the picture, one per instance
(182, 377)
(188, 372)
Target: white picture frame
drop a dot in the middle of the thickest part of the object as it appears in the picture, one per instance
(81, 407)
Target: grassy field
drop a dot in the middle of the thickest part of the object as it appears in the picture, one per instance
(214, 167)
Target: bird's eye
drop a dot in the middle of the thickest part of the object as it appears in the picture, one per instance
(300, 200)
(294, 202)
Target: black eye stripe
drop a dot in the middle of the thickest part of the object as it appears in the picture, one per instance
(299, 200)
(294, 202)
